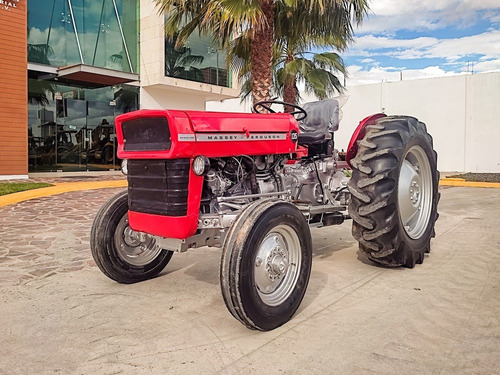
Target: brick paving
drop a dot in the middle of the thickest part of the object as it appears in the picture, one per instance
(45, 236)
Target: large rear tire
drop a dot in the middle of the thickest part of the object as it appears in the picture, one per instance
(120, 253)
(266, 264)
(394, 192)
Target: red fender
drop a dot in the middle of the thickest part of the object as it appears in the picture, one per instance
(358, 134)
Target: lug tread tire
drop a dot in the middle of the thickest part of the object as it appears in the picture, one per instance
(374, 196)
(103, 248)
(235, 273)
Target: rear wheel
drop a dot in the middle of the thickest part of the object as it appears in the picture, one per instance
(120, 253)
(107, 155)
(394, 188)
(266, 263)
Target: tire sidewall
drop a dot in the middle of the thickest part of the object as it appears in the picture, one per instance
(115, 267)
(412, 243)
(263, 315)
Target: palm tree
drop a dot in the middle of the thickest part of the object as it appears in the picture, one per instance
(318, 74)
(301, 28)
(261, 23)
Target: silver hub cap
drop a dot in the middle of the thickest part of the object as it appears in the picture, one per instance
(135, 248)
(277, 265)
(415, 192)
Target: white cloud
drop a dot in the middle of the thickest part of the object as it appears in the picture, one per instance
(390, 15)
(486, 45)
(368, 61)
(376, 43)
(358, 76)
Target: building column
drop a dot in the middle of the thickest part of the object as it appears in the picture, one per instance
(13, 89)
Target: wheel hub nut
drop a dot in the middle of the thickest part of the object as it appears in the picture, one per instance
(277, 263)
(414, 192)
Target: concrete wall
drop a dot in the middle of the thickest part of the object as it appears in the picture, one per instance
(462, 114)
(159, 97)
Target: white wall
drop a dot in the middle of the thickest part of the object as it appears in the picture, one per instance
(158, 97)
(462, 113)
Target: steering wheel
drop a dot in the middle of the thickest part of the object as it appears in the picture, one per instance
(266, 104)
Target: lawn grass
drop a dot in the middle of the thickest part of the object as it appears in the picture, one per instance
(14, 187)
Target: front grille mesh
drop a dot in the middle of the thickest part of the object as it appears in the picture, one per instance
(158, 187)
(146, 134)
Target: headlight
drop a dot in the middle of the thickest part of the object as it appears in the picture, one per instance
(125, 167)
(201, 165)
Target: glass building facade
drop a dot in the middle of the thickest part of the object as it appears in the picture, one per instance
(198, 60)
(71, 116)
(71, 128)
(102, 33)
(71, 124)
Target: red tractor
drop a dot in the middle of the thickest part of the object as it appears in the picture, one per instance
(254, 184)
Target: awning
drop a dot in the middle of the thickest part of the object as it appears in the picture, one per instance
(95, 76)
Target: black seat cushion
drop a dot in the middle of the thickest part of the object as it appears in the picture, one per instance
(311, 138)
(322, 120)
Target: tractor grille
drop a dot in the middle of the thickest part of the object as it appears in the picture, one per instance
(158, 187)
(146, 134)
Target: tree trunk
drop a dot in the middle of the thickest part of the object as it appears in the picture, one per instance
(262, 54)
(290, 88)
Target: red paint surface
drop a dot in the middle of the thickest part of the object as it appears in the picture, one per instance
(191, 123)
(358, 134)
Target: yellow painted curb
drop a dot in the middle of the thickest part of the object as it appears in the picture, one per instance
(58, 189)
(462, 182)
(453, 179)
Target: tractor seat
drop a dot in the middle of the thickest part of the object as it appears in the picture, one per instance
(321, 121)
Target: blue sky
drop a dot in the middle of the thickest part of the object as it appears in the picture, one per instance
(423, 39)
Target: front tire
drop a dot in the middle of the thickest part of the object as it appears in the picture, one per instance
(266, 264)
(394, 192)
(120, 253)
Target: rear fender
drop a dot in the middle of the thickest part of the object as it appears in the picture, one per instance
(359, 133)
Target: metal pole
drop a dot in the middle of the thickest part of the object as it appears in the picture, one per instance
(50, 25)
(217, 71)
(123, 37)
(98, 32)
(76, 31)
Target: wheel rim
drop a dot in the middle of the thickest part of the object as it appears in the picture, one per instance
(135, 248)
(277, 265)
(415, 192)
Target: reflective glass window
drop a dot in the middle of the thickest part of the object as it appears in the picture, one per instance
(101, 33)
(71, 128)
(199, 59)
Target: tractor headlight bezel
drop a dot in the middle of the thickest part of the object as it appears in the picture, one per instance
(201, 165)
(125, 166)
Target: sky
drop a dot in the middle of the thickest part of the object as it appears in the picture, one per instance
(413, 39)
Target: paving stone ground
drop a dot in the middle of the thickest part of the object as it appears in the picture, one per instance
(49, 235)
(60, 315)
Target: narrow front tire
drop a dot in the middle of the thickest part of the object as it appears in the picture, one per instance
(266, 264)
(120, 253)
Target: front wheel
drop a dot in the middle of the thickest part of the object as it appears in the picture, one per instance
(266, 264)
(120, 253)
(394, 188)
